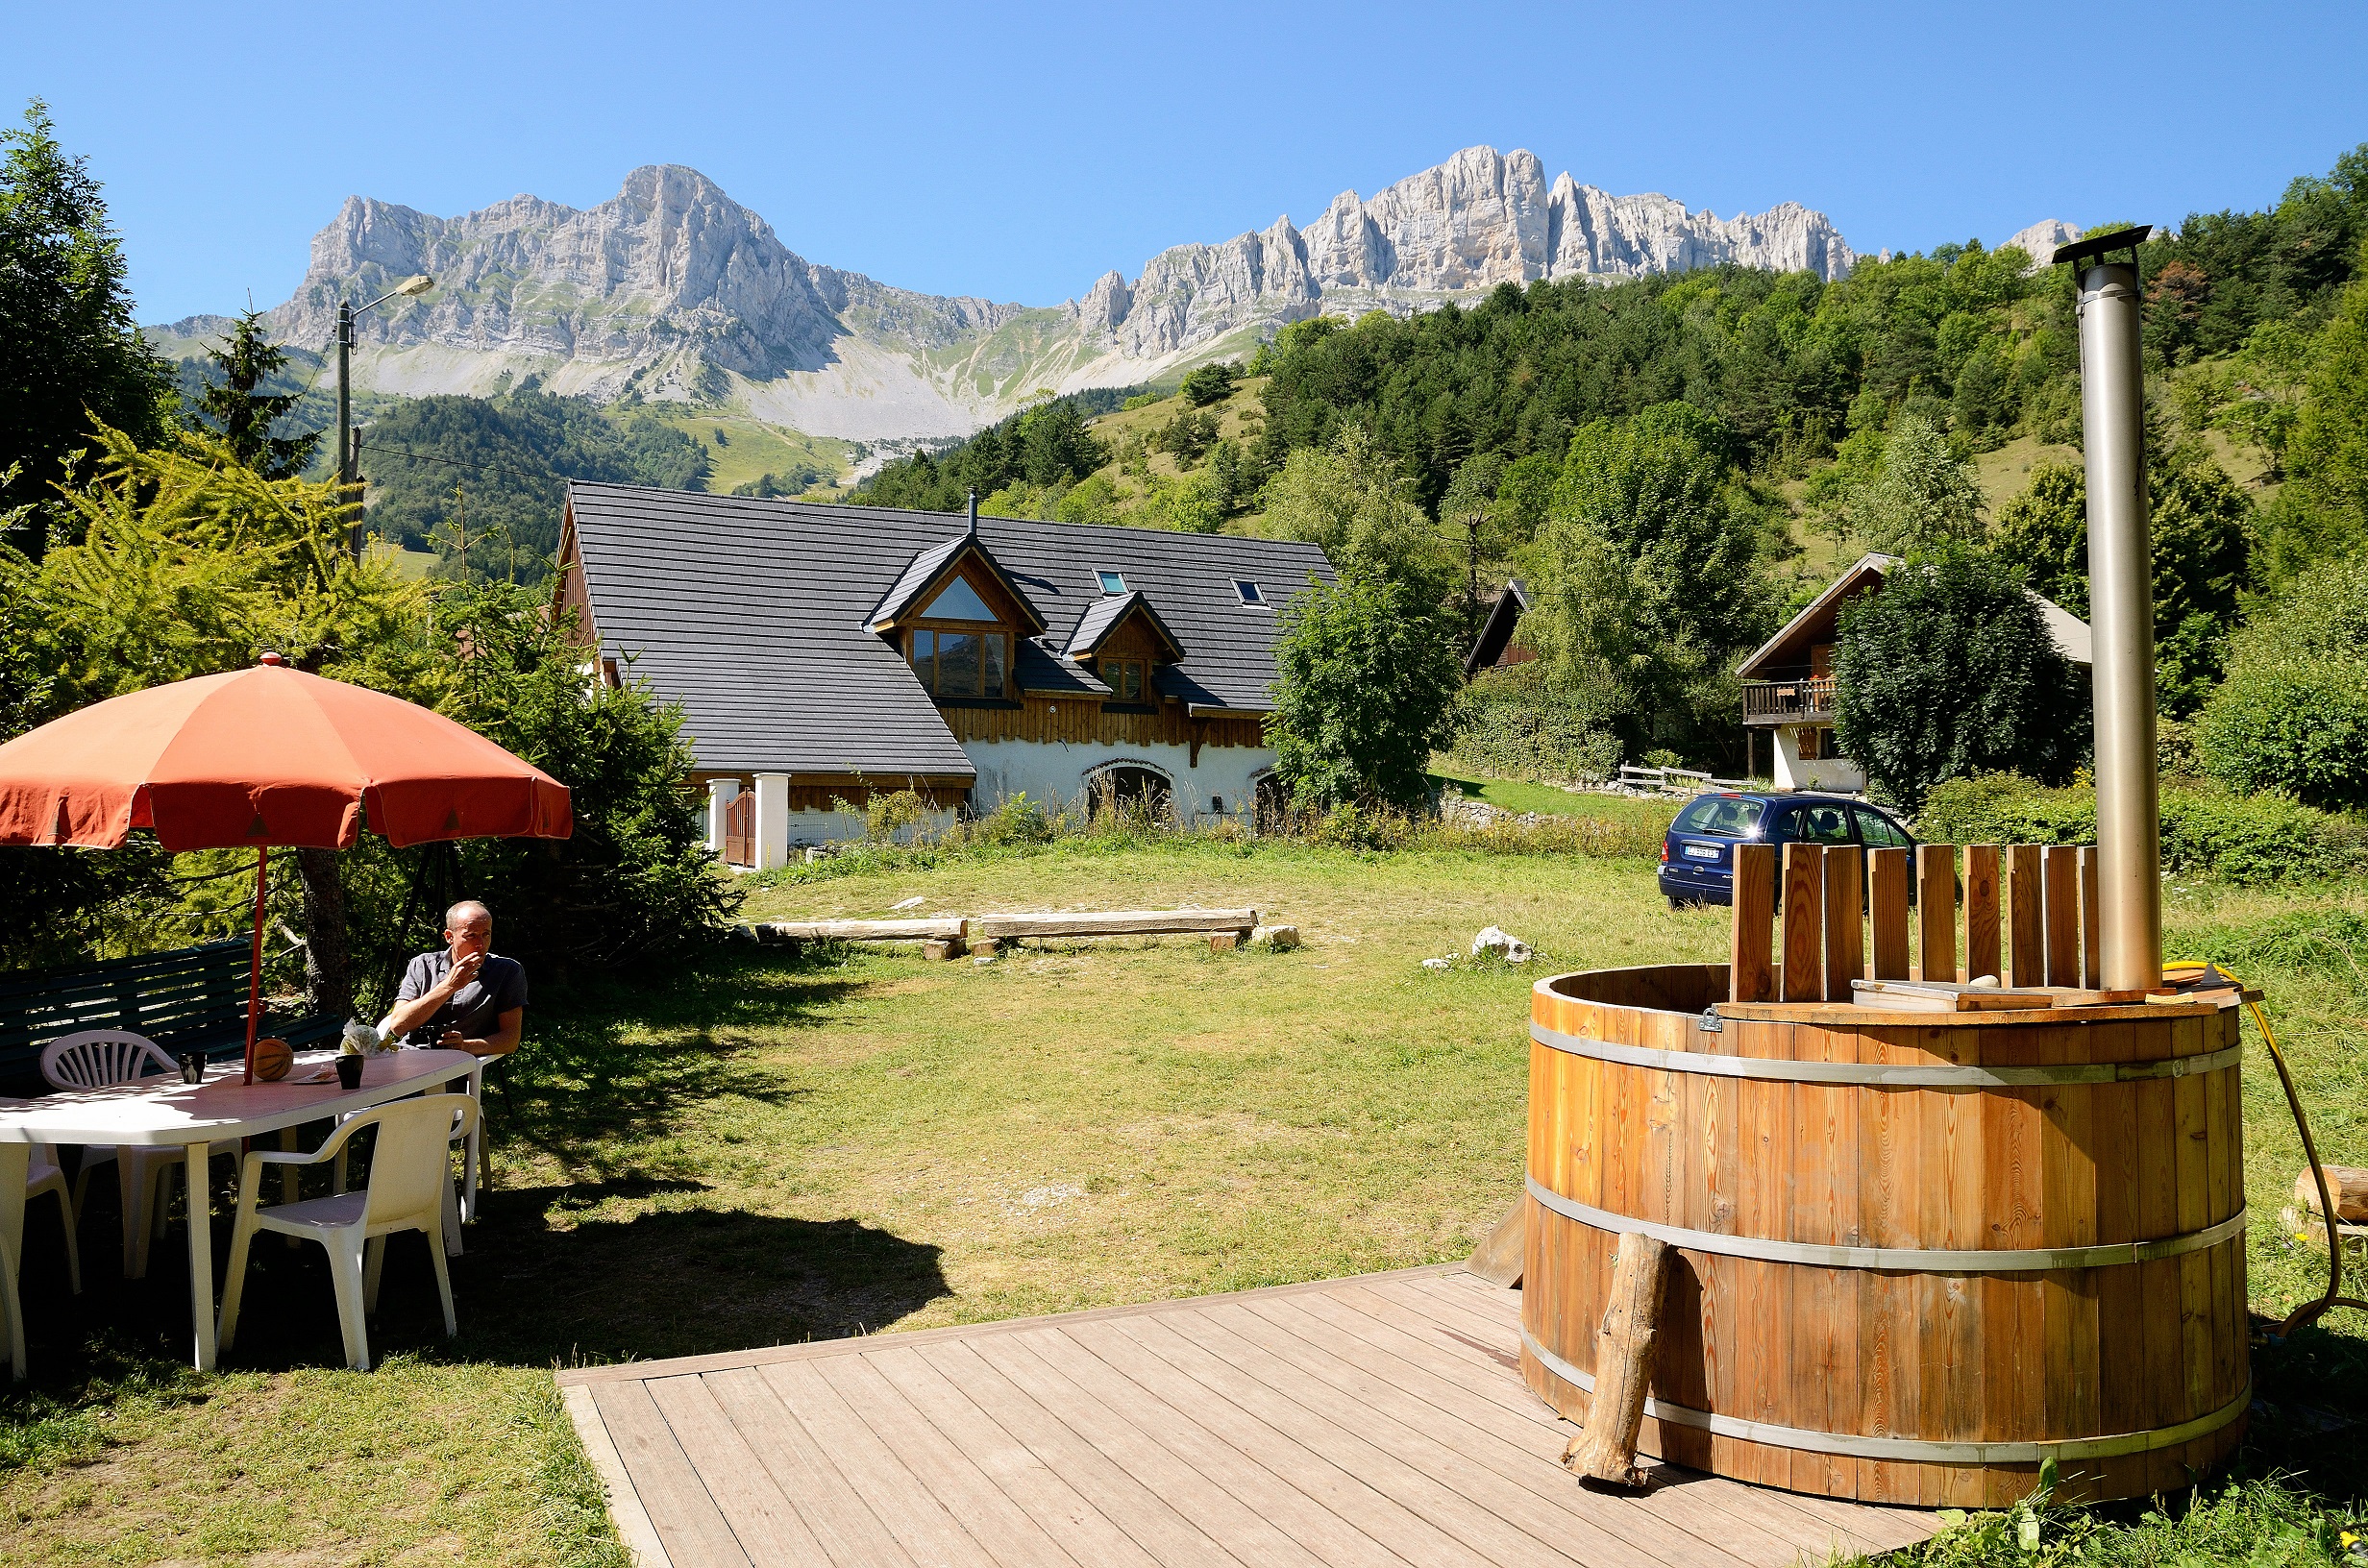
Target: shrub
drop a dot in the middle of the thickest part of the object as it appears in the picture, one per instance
(2293, 713)
(1510, 724)
(2242, 839)
(1018, 819)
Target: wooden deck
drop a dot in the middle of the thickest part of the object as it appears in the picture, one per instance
(1375, 1421)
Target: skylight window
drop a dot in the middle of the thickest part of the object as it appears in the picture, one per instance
(958, 602)
(1112, 582)
(1248, 592)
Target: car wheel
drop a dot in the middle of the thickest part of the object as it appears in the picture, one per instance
(1675, 902)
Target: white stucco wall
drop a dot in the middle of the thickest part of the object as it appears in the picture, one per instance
(812, 827)
(1839, 774)
(1056, 773)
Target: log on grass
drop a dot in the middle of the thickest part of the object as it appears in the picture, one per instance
(2346, 1185)
(1126, 922)
(1606, 1451)
(927, 930)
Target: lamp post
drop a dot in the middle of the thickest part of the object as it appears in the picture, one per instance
(347, 478)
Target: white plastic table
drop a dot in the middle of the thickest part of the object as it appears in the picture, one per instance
(195, 1116)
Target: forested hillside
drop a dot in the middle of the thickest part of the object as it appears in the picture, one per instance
(1787, 414)
(491, 472)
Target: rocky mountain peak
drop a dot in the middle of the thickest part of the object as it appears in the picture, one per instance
(670, 289)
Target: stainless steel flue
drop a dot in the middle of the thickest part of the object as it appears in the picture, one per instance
(2122, 610)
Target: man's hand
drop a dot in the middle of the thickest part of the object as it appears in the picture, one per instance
(455, 1041)
(464, 970)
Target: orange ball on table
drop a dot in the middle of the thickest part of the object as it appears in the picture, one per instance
(272, 1060)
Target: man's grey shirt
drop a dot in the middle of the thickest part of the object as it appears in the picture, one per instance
(476, 1009)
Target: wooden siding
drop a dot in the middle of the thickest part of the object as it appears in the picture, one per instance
(1087, 723)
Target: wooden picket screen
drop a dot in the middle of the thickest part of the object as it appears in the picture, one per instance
(2025, 913)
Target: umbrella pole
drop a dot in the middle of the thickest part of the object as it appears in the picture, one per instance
(254, 960)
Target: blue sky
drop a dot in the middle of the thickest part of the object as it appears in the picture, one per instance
(1020, 152)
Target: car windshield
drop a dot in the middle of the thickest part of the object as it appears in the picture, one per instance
(1723, 817)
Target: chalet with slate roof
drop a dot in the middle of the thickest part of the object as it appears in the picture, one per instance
(826, 654)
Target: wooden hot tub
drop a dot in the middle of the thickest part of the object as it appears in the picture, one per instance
(1917, 1253)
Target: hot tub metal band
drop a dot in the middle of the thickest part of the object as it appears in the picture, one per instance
(1782, 1070)
(1919, 1450)
(1896, 1259)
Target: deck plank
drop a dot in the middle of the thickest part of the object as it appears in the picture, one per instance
(1856, 1526)
(1229, 1492)
(850, 1533)
(1600, 1527)
(766, 1524)
(1033, 1485)
(1026, 1404)
(1374, 1422)
(1012, 1538)
(1420, 1518)
(691, 1526)
(912, 1510)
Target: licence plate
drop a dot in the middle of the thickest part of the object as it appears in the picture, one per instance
(1701, 851)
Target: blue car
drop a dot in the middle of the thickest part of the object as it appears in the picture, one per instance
(1697, 858)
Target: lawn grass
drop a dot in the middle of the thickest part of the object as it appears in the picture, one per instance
(775, 1149)
(1521, 794)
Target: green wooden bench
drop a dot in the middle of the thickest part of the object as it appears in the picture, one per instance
(188, 999)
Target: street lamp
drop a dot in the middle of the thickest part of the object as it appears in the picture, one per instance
(347, 478)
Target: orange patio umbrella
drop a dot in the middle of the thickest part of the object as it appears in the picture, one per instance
(264, 756)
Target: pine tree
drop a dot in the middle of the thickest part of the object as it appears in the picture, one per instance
(71, 358)
(242, 416)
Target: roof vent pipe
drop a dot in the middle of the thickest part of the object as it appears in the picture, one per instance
(972, 529)
(2121, 601)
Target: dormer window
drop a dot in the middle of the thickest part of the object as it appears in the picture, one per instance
(957, 600)
(1112, 583)
(958, 648)
(1126, 679)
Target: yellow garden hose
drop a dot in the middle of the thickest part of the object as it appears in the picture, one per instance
(2189, 970)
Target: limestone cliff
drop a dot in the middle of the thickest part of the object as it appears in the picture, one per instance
(673, 290)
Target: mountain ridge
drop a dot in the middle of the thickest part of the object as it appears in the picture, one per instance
(672, 292)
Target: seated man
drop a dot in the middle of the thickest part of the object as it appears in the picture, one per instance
(463, 997)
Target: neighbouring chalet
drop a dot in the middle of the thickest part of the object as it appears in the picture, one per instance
(1789, 682)
(827, 654)
(1498, 643)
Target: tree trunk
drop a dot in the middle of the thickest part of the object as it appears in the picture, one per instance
(328, 970)
(1606, 1451)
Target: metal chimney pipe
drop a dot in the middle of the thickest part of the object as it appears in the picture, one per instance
(2122, 609)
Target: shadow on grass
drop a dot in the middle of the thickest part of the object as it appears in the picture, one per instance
(549, 1275)
(622, 1059)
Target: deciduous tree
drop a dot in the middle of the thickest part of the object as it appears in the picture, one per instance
(1948, 670)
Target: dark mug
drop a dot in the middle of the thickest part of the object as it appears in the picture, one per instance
(349, 1071)
(193, 1066)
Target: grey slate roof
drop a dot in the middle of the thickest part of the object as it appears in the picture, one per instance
(753, 615)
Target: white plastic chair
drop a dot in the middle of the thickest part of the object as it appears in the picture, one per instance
(101, 1059)
(42, 1174)
(410, 1178)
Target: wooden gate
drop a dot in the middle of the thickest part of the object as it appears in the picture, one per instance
(740, 829)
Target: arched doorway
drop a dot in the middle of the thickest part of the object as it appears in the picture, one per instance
(1132, 788)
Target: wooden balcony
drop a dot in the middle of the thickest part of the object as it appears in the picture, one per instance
(1802, 698)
